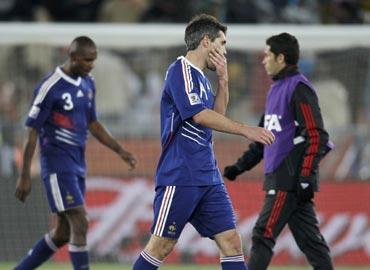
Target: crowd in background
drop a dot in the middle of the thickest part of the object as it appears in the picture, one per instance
(131, 92)
(179, 11)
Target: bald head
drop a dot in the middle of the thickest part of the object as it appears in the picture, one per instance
(81, 45)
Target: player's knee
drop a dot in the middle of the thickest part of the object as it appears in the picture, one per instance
(81, 225)
(78, 223)
(60, 238)
(60, 235)
(160, 247)
(229, 243)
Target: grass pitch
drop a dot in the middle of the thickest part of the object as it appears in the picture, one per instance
(104, 266)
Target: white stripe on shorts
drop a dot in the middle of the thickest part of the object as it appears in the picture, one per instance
(55, 191)
(163, 211)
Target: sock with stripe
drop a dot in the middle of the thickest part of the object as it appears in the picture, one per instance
(39, 253)
(79, 257)
(233, 263)
(146, 262)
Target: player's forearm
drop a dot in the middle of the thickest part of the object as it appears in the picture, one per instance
(222, 97)
(217, 121)
(104, 137)
(29, 150)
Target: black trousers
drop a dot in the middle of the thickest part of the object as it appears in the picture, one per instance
(281, 209)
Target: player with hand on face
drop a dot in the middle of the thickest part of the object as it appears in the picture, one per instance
(62, 113)
(189, 186)
(293, 114)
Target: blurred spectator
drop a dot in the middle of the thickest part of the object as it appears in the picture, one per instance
(178, 11)
(301, 12)
(341, 11)
(116, 86)
(73, 10)
(215, 8)
(366, 10)
(122, 10)
(9, 114)
(348, 12)
(16, 10)
(241, 11)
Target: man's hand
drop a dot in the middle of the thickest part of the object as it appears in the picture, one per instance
(231, 172)
(23, 188)
(129, 158)
(219, 60)
(259, 134)
(305, 189)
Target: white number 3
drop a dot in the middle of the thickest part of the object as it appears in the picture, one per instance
(68, 100)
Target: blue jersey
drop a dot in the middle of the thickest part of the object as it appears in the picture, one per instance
(61, 111)
(187, 157)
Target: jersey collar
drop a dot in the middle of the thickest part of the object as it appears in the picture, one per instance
(67, 78)
(182, 57)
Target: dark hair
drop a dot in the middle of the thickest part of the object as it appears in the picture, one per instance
(285, 44)
(80, 44)
(200, 26)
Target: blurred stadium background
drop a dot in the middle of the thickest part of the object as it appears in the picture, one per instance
(137, 40)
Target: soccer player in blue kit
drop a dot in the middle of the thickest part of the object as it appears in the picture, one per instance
(189, 186)
(62, 112)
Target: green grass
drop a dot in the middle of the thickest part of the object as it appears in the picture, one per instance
(102, 266)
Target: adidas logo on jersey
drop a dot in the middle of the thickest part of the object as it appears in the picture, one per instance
(80, 93)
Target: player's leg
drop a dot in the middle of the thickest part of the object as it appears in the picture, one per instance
(49, 244)
(72, 194)
(173, 207)
(157, 249)
(66, 192)
(231, 251)
(61, 233)
(214, 218)
(303, 225)
(275, 213)
(78, 223)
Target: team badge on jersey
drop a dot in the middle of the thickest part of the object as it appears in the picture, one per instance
(69, 198)
(172, 229)
(194, 99)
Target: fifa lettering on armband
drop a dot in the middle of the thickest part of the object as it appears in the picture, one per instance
(34, 112)
(194, 99)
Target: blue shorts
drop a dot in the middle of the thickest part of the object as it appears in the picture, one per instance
(64, 191)
(207, 208)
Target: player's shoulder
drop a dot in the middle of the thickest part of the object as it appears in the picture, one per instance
(48, 82)
(175, 66)
(183, 67)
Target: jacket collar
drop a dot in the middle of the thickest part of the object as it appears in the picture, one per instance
(287, 71)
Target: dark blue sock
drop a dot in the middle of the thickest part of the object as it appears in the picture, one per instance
(233, 263)
(146, 262)
(39, 253)
(79, 257)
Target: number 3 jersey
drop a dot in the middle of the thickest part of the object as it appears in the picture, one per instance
(61, 111)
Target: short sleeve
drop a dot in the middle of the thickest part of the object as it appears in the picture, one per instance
(184, 90)
(41, 108)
